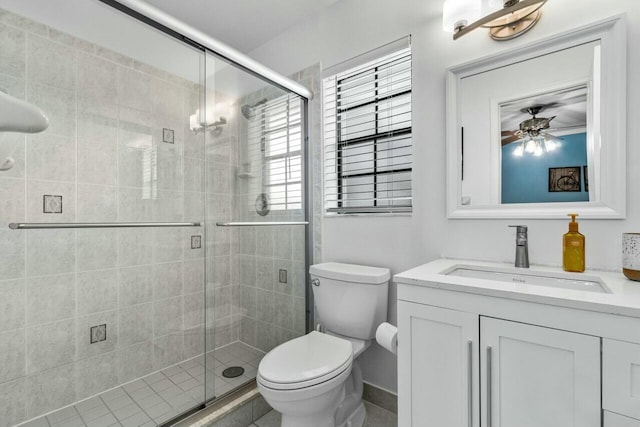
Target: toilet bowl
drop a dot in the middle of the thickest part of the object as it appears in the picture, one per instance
(305, 379)
(315, 380)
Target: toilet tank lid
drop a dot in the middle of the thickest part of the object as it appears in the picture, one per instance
(351, 273)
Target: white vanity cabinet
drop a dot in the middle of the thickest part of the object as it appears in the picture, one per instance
(451, 363)
(484, 353)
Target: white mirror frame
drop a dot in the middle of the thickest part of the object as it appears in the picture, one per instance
(612, 34)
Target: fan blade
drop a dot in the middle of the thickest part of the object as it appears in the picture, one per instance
(567, 128)
(508, 132)
(510, 139)
(549, 120)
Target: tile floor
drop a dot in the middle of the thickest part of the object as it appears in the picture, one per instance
(376, 417)
(160, 396)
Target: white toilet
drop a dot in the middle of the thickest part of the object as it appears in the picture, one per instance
(315, 380)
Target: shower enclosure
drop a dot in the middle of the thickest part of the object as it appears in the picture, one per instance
(155, 236)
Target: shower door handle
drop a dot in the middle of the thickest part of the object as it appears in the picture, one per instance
(260, 223)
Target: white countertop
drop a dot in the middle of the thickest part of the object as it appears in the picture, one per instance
(624, 298)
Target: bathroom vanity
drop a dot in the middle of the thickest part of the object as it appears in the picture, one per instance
(490, 345)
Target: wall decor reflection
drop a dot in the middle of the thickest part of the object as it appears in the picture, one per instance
(585, 175)
(564, 179)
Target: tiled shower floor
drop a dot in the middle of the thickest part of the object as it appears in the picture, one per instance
(160, 396)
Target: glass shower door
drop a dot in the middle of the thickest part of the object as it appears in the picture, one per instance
(101, 325)
(255, 174)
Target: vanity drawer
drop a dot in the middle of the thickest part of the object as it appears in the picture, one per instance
(615, 420)
(621, 377)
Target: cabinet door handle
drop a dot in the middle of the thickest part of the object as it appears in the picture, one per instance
(470, 381)
(489, 386)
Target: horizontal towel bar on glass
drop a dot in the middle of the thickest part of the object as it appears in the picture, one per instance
(51, 225)
(259, 224)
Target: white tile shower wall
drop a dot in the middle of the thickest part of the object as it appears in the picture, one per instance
(104, 154)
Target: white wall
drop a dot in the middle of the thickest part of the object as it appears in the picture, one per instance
(351, 27)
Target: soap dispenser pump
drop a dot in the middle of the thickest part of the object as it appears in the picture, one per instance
(573, 248)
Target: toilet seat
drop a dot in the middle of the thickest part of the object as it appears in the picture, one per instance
(306, 361)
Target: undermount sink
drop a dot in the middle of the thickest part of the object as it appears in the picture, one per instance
(532, 277)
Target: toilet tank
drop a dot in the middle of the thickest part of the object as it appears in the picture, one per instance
(351, 299)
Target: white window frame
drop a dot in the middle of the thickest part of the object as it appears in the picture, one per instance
(334, 197)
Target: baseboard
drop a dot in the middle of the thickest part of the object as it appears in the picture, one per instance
(380, 397)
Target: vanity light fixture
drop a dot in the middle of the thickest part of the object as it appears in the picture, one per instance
(505, 19)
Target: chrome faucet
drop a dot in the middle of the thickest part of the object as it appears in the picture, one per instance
(522, 248)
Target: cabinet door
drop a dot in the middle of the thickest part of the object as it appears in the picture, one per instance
(437, 367)
(533, 376)
(621, 377)
(614, 420)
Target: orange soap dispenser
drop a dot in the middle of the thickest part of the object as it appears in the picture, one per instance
(573, 248)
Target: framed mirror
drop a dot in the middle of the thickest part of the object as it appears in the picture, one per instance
(540, 131)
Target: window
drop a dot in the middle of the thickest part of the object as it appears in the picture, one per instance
(367, 136)
(275, 138)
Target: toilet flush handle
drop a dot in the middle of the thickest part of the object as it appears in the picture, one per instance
(315, 282)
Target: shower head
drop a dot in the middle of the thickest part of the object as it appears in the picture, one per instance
(247, 110)
(20, 116)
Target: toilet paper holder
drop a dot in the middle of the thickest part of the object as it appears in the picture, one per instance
(387, 337)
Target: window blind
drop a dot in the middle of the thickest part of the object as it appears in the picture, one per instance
(367, 136)
(275, 142)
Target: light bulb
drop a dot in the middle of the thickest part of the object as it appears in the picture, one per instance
(490, 6)
(456, 13)
(531, 146)
(519, 151)
(538, 151)
(549, 145)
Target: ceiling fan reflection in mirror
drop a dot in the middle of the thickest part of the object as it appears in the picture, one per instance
(527, 122)
(534, 133)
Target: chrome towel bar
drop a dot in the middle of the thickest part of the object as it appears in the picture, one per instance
(53, 225)
(260, 224)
